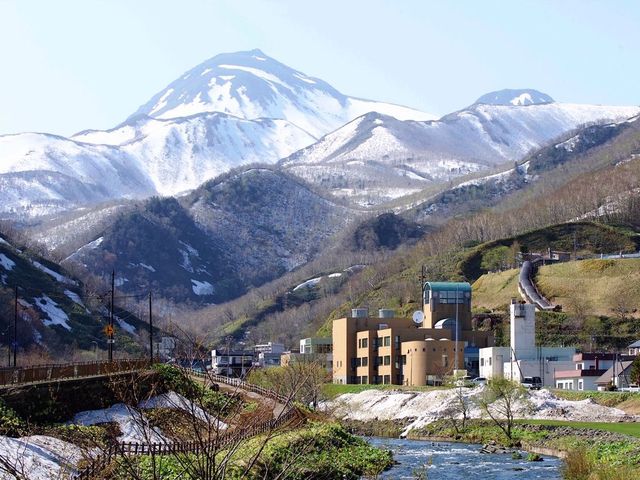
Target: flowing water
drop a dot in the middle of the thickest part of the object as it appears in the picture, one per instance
(455, 461)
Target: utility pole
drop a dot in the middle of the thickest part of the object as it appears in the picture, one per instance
(150, 330)
(110, 329)
(15, 326)
(423, 278)
(455, 359)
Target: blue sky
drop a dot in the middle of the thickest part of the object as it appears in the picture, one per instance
(69, 65)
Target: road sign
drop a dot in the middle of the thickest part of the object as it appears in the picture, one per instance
(109, 330)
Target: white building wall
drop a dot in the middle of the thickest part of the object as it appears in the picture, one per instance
(577, 383)
(492, 360)
(523, 330)
(534, 368)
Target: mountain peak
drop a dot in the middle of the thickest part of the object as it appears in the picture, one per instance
(517, 97)
(251, 85)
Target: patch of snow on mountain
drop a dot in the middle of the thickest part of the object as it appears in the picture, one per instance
(59, 277)
(56, 314)
(522, 99)
(186, 261)
(127, 327)
(358, 107)
(6, 262)
(202, 288)
(308, 284)
(74, 297)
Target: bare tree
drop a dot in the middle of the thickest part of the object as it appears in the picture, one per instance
(499, 400)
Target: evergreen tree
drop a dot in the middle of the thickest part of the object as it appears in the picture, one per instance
(634, 374)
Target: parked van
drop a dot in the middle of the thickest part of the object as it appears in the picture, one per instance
(532, 383)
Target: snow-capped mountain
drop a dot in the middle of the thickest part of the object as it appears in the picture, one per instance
(509, 96)
(252, 85)
(233, 109)
(42, 174)
(376, 158)
(179, 154)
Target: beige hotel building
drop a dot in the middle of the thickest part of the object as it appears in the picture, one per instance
(405, 351)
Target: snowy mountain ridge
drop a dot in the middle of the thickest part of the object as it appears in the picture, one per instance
(377, 158)
(245, 107)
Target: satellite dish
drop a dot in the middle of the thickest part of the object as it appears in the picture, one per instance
(418, 317)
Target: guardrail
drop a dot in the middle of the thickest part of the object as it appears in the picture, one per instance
(244, 385)
(62, 371)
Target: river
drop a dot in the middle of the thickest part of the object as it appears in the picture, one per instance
(455, 461)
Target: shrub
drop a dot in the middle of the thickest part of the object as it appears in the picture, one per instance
(577, 465)
(10, 423)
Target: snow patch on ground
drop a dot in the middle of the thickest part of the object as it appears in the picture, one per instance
(133, 425)
(176, 401)
(56, 314)
(423, 408)
(6, 262)
(201, 288)
(39, 457)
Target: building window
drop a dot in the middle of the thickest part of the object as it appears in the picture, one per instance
(365, 379)
(482, 362)
(489, 359)
(397, 341)
(450, 296)
(580, 385)
(387, 360)
(379, 361)
(365, 361)
(365, 342)
(358, 362)
(387, 379)
(387, 341)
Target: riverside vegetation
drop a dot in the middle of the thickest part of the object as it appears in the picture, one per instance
(591, 450)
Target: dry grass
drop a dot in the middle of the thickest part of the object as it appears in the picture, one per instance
(495, 290)
(596, 286)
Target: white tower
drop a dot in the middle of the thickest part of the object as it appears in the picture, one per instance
(523, 333)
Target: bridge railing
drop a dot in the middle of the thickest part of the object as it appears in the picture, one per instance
(61, 371)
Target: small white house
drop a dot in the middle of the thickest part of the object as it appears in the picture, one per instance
(587, 371)
(634, 348)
